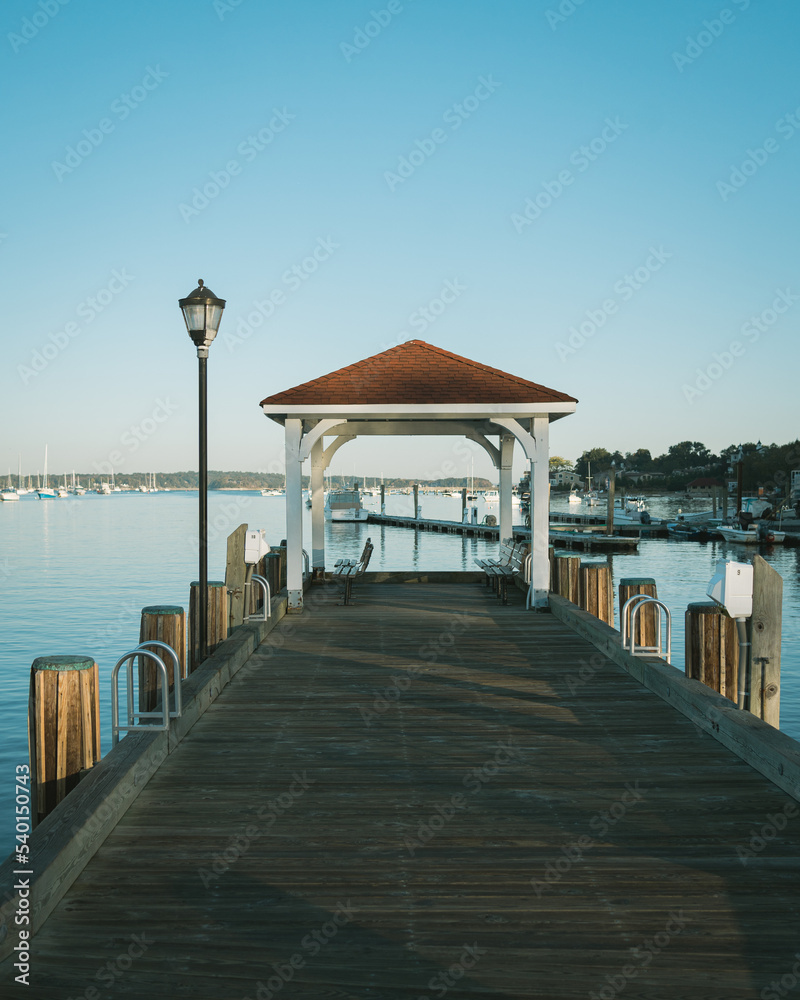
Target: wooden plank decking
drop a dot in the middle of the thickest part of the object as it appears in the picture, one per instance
(295, 836)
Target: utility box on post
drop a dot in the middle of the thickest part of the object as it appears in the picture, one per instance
(732, 588)
(255, 545)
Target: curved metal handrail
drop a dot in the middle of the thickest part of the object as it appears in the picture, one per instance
(176, 671)
(639, 600)
(528, 578)
(267, 610)
(116, 728)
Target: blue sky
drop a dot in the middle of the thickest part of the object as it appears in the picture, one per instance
(612, 188)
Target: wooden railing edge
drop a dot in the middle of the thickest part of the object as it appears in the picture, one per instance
(769, 751)
(65, 841)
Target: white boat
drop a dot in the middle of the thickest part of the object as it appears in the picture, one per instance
(574, 496)
(104, 488)
(633, 510)
(9, 495)
(273, 493)
(344, 505)
(754, 535)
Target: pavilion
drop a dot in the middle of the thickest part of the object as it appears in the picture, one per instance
(416, 389)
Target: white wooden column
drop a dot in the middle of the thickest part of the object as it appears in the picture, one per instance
(506, 484)
(540, 512)
(318, 506)
(294, 515)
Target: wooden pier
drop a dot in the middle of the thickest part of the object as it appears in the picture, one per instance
(491, 532)
(429, 791)
(589, 539)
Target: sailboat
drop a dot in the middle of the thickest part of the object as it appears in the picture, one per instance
(44, 492)
(471, 495)
(10, 493)
(22, 490)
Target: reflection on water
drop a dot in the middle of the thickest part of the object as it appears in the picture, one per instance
(76, 573)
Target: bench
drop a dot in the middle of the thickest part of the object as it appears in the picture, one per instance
(347, 571)
(512, 562)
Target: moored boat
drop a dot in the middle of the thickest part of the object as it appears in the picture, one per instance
(344, 505)
(756, 534)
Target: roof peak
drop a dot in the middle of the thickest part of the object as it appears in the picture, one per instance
(406, 373)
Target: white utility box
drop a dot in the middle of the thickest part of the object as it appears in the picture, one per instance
(732, 587)
(255, 545)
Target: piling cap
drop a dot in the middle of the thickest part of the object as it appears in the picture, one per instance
(162, 609)
(637, 581)
(63, 663)
(211, 583)
(704, 608)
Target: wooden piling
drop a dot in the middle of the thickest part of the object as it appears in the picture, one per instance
(463, 503)
(610, 504)
(217, 630)
(416, 500)
(167, 623)
(596, 593)
(282, 564)
(647, 618)
(272, 570)
(567, 582)
(63, 727)
(551, 555)
(712, 648)
(765, 638)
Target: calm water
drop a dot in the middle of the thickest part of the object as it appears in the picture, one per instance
(77, 572)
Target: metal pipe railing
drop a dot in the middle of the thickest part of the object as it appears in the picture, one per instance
(132, 716)
(629, 632)
(266, 611)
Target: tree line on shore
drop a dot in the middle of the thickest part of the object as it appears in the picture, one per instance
(766, 466)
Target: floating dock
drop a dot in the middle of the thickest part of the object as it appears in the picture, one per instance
(428, 787)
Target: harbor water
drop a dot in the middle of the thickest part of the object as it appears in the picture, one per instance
(76, 573)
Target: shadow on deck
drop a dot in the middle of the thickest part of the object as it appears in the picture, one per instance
(424, 793)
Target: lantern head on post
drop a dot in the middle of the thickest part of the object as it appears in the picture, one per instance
(202, 312)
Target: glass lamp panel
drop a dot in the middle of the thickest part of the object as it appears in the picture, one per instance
(213, 318)
(194, 316)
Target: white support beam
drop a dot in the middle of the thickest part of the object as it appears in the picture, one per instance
(311, 437)
(491, 450)
(318, 505)
(506, 456)
(333, 447)
(294, 515)
(525, 438)
(540, 512)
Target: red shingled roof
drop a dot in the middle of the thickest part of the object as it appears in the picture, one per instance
(416, 373)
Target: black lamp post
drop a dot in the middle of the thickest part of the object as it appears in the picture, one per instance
(202, 312)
